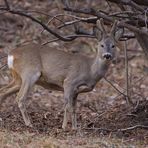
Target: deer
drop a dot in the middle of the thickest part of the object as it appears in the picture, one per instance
(59, 70)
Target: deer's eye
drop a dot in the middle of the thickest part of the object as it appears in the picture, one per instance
(113, 46)
(102, 45)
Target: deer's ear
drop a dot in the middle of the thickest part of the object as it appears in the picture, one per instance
(118, 33)
(97, 33)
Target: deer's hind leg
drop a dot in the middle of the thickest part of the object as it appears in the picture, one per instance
(11, 88)
(9, 85)
(28, 80)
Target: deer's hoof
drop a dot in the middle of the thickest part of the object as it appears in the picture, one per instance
(64, 128)
(74, 128)
(29, 125)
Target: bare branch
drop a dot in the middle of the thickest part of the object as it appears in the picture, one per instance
(69, 36)
(133, 127)
(21, 13)
(128, 24)
(118, 130)
(141, 2)
(115, 87)
(128, 100)
(3, 66)
(78, 19)
(132, 28)
(128, 2)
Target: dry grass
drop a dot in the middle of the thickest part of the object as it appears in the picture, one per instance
(31, 140)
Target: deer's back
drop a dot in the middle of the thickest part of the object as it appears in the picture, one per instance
(25, 59)
(55, 65)
(58, 65)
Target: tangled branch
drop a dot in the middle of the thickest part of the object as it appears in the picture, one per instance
(21, 13)
(131, 24)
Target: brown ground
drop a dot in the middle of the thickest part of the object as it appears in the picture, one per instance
(102, 113)
(48, 120)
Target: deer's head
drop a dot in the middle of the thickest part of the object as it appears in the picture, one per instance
(107, 41)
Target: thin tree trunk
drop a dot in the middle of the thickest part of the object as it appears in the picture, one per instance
(143, 41)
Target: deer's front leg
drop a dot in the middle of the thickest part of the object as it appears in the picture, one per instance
(64, 125)
(70, 106)
(73, 112)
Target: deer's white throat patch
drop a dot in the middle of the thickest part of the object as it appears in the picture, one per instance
(10, 61)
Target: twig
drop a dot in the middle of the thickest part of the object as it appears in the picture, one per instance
(109, 5)
(98, 129)
(54, 40)
(126, 69)
(128, 2)
(78, 19)
(129, 87)
(4, 56)
(68, 23)
(137, 104)
(133, 127)
(1, 68)
(82, 19)
(49, 22)
(38, 12)
(93, 109)
(115, 87)
(21, 13)
(124, 12)
(118, 130)
(130, 24)
(134, 5)
(69, 36)
(146, 18)
(126, 74)
(127, 36)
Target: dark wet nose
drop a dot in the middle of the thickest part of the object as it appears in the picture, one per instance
(107, 56)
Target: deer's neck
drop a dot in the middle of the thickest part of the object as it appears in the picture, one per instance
(99, 68)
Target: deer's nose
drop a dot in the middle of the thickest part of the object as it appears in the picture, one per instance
(107, 56)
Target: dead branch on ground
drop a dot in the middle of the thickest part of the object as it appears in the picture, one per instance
(119, 130)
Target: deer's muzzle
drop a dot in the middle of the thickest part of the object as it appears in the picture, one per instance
(107, 56)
